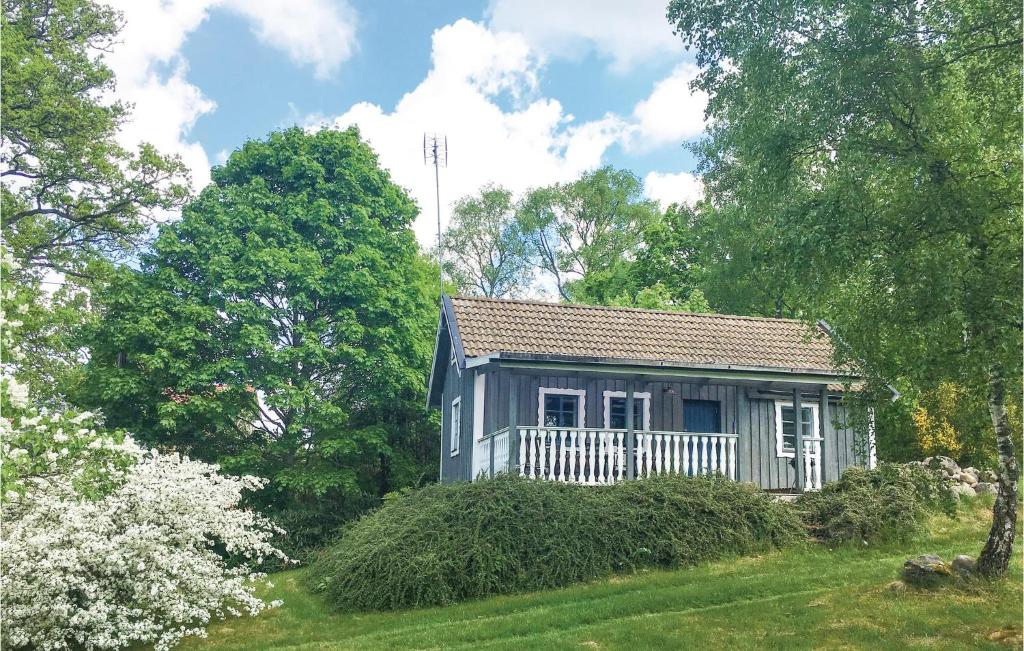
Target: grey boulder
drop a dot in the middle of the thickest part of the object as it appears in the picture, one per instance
(962, 490)
(926, 570)
(985, 488)
(964, 565)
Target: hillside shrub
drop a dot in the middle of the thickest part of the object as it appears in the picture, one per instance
(888, 503)
(450, 542)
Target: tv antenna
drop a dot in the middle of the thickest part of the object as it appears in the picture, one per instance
(435, 152)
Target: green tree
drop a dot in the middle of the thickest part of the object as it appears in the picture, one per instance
(587, 228)
(283, 327)
(663, 272)
(746, 267)
(71, 197)
(486, 252)
(872, 152)
(70, 192)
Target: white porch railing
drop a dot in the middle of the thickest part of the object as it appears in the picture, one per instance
(812, 463)
(499, 440)
(598, 456)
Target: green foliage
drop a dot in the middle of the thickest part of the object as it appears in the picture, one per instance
(486, 252)
(36, 446)
(864, 166)
(662, 271)
(891, 502)
(70, 192)
(450, 542)
(586, 227)
(283, 328)
(71, 197)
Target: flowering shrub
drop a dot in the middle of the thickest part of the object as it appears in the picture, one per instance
(107, 544)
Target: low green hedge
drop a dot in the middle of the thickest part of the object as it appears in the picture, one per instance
(450, 542)
(888, 503)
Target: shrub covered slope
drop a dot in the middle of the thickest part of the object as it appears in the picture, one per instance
(888, 503)
(450, 542)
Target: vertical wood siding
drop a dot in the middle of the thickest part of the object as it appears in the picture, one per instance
(460, 466)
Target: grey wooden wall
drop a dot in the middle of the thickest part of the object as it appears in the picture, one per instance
(753, 420)
(459, 466)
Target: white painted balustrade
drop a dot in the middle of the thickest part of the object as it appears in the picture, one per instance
(598, 456)
(482, 453)
(812, 463)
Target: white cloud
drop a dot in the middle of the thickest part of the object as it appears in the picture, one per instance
(320, 33)
(672, 113)
(533, 143)
(152, 74)
(165, 106)
(626, 32)
(666, 188)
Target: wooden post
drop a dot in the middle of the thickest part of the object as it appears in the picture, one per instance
(799, 443)
(823, 422)
(630, 434)
(513, 430)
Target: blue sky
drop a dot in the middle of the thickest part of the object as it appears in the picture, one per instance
(529, 92)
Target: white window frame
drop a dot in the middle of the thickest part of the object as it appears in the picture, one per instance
(455, 432)
(645, 396)
(581, 414)
(780, 451)
(479, 393)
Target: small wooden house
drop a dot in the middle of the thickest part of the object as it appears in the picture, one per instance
(596, 395)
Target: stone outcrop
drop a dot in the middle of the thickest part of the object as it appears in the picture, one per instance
(963, 482)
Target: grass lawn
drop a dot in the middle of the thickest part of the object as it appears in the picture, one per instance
(805, 598)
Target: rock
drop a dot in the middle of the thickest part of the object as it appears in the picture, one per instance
(945, 464)
(927, 570)
(964, 565)
(968, 477)
(962, 490)
(985, 488)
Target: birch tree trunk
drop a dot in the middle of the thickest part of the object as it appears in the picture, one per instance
(995, 557)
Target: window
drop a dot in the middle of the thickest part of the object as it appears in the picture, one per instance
(560, 411)
(456, 425)
(561, 407)
(615, 410)
(785, 426)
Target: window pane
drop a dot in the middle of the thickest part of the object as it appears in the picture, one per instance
(788, 429)
(789, 426)
(617, 413)
(560, 410)
(456, 422)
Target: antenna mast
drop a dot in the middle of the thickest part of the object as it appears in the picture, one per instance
(435, 152)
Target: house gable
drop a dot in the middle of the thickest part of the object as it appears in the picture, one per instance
(446, 343)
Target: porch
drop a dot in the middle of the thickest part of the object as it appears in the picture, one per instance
(604, 456)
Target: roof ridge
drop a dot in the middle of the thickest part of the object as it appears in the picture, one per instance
(611, 308)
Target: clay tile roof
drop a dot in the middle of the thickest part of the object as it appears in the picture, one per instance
(489, 325)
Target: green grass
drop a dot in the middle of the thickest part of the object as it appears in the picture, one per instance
(801, 598)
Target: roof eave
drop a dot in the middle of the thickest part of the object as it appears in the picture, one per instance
(513, 358)
(445, 323)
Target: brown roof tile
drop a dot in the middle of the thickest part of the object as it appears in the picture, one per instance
(494, 325)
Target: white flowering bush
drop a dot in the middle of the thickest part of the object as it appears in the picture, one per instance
(107, 544)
